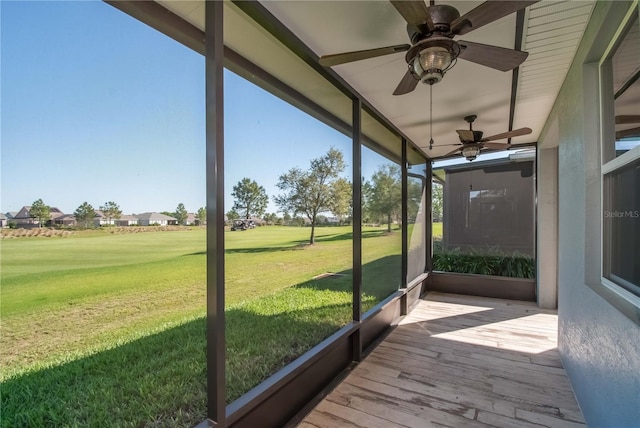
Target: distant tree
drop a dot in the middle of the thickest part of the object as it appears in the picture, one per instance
(85, 214)
(181, 214)
(201, 215)
(270, 219)
(286, 218)
(250, 199)
(414, 200)
(310, 192)
(168, 213)
(233, 215)
(297, 221)
(385, 193)
(111, 211)
(437, 201)
(340, 203)
(41, 212)
(367, 215)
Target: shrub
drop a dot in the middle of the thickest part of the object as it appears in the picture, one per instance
(492, 263)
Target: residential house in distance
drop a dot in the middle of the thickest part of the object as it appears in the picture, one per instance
(127, 220)
(191, 219)
(156, 219)
(67, 220)
(4, 221)
(23, 217)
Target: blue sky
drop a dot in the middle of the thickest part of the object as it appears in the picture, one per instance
(98, 107)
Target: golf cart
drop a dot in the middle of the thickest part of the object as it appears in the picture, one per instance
(242, 224)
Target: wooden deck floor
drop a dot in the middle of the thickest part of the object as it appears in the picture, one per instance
(458, 361)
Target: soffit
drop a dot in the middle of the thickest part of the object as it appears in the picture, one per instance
(552, 32)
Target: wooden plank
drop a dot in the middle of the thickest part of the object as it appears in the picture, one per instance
(320, 419)
(550, 421)
(502, 421)
(459, 361)
(417, 392)
(351, 415)
(404, 413)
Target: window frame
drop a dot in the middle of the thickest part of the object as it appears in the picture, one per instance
(617, 295)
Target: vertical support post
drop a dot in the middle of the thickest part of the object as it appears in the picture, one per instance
(405, 234)
(214, 57)
(357, 224)
(429, 216)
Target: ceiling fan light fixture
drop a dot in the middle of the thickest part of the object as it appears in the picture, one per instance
(430, 59)
(432, 63)
(470, 152)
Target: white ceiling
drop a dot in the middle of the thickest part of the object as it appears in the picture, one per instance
(552, 31)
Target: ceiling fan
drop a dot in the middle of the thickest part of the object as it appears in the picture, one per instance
(432, 50)
(471, 141)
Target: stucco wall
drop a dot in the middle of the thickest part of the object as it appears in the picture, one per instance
(547, 233)
(600, 346)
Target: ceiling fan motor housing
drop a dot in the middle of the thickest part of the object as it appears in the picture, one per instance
(442, 16)
(477, 136)
(433, 51)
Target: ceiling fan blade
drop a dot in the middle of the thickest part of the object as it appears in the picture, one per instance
(445, 145)
(406, 85)
(626, 119)
(451, 152)
(509, 134)
(496, 146)
(341, 58)
(502, 59)
(633, 132)
(486, 13)
(466, 135)
(505, 146)
(414, 12)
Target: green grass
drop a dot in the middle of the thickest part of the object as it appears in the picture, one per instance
(102, 329)
(437, 229)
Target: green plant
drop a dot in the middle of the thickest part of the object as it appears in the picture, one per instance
(491, 262)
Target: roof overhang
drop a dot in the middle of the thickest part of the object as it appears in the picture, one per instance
(276, 45)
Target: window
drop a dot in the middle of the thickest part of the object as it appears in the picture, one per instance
(488, 218)
(102, 325)
(381, 228)
(416, 214)
(620, 72)
(288, 266)
(622, 225)
(626, 90)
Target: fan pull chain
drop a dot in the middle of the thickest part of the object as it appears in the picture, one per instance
(430, 117)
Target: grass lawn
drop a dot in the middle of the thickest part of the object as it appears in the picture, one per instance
(107, 329)
(437, 229)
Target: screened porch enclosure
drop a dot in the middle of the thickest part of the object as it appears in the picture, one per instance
(388, 267)
(490, 207)
(372, 293)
